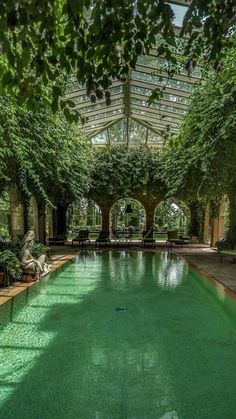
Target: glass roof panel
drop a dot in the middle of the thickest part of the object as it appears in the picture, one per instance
(156, 116)
(117, 132)
(157, 62)
(179, 12)
(100, 139)
(101, 106)
(173, 109)
(162, 81)
(137, 132)
(105, 114)
(154, 138)
(147, 92)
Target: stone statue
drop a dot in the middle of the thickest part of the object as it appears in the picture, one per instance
(29, 264)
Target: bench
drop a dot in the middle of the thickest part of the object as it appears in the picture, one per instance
(228, 253)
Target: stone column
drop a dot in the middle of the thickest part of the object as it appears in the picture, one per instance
(16, 215)
(214, 223)
(49, 213)
(222, 219)
(62, 219)
(42, 222)
(150, 203)
(105, 209)
(150, 210)
(207, 228)
(217, 224)
(34, 206)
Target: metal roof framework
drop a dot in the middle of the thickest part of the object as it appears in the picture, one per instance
(129, 119)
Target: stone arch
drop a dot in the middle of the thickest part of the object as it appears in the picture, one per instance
(149, 203)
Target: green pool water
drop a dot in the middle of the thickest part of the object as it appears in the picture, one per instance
(169, 352)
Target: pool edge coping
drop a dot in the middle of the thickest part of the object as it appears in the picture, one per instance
(211, 278)
(55, 266)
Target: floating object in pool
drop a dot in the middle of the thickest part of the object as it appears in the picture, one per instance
(121, 309)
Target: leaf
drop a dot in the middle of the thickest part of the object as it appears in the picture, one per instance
(7, 78)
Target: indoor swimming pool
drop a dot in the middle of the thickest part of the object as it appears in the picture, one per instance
(137, 335)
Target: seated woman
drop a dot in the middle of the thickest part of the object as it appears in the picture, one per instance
(29, 264)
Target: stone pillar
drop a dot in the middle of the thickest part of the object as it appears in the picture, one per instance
(207, 228)
(49, 214)
(150, 210)
(34, 206)
(214, 223)
(222, 219)
(105, 209)
(16, 215)
(62, 219)
(42, 222)
(54, 222)
(114, 218)
(150, 203)
(217, 225)
(26, 215)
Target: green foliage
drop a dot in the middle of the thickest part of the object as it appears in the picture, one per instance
(44, 42)
(170, 216)
(42, 154)
(39, 249)
(202, 163)
(120, 171)
(10, 265)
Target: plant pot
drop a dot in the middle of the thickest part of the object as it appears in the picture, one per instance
(29, 278)
(1, 279)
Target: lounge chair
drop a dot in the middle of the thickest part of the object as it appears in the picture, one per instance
(148, 237)
(228, 253)
(82, 238)
(103, 238)
(173, 238)
(117, 235)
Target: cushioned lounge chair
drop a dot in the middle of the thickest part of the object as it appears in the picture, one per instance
(103, 238)
(82, 238)
(228, 253)
(173, 238)
(148, 238)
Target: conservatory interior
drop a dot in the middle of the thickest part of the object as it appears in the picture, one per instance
(117, 209)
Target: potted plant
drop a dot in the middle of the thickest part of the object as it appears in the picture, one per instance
(10, 266)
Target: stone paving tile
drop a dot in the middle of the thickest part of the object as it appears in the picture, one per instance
(4, 299)
(208, 260)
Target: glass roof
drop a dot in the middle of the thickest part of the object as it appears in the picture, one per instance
(129, 118)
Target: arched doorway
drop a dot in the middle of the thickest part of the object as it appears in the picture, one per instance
(128, 214)
(170, 215)
(84, 214)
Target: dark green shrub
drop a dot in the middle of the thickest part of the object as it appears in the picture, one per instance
(11, 266)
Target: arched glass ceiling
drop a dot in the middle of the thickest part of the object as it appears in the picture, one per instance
(129, 119)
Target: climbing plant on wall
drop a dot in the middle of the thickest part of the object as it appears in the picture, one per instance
(201, 161)
(41, 153)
